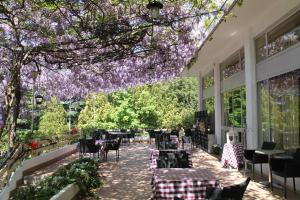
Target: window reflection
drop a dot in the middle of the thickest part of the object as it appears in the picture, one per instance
(208, 80)
(279, 109)
(234, 107)
(209, 104)
(282, 37)
(233, 65)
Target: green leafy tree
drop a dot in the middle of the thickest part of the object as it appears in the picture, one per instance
(145, 106)
(53, 122)
(98, 113)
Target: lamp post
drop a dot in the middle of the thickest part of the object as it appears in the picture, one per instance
(37, 99)
(154, 7)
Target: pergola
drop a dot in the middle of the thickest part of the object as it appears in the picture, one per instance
(76, 47)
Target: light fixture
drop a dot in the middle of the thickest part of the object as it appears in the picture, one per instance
(38, 99)
(154, 7)
(34, 74)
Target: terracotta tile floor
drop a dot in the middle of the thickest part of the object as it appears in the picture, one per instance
(129, 178)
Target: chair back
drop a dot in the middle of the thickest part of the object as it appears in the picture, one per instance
(119, 142)
(268, 145)
(235, 192)
(186, 139)
(88, 146)
(97, 134)
(151, 133)
(297, 156)
(188, 132)
(175, 132)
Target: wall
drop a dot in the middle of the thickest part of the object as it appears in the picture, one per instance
(27, 165)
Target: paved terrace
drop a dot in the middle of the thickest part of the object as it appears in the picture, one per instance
(129, 178)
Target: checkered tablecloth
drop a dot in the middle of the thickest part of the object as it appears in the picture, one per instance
(181, 183)
(232, 155)
(155, 155)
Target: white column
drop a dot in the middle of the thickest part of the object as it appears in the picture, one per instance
(251, 92)
(200, 92)
(218, 105)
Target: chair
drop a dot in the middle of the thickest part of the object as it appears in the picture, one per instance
(166, 145)
(254, 158)
(186, 139)
(113, 145)
(233, 192)
(286, 168)
(175, 132)
(173, 159)
(131, 135)
(88, 146)
(151, 135)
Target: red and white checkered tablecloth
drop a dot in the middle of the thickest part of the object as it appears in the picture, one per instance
(181, 183)
(155, 155)
(232, 155)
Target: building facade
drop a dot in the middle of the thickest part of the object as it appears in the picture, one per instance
(249, 73)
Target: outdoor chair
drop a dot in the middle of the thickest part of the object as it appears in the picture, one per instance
(97, 134)
(254, 158)
(286, 168)
(131, 135)
(88, 146)
(166, 145)
(114, 146)
(173, 160)
(185, 140)
(175, 132)
(188, 132)
(151, 135)
(233, 192)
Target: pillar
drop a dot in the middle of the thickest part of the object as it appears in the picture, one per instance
(218, 105)
(251, 92)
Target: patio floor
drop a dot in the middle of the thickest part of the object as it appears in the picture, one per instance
(129, 178)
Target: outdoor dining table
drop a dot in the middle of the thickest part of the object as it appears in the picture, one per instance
(155, 155)
(270, 154)
(232, 155)
(182, 183)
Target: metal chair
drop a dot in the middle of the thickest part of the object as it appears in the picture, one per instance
(88, 146)
(254, 158)
(286, 168)
(233, 192)
(115, 146)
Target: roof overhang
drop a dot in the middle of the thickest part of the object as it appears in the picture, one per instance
(253, 17)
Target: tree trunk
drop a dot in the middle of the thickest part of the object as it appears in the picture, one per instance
(11, 107)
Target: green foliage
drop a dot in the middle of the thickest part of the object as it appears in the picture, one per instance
(97, 113)
(160, 105)
(83, 172)
(53, 121)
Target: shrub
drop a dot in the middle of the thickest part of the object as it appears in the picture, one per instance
(82, 172)
(53, 122)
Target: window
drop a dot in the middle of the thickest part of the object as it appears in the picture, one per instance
(281, 37)
(234, 107)
(209, 104)
(208, 80)
(279, 108)
(233, 65)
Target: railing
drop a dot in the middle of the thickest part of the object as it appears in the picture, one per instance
(22, 152)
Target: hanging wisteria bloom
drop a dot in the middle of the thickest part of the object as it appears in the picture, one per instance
(82, 46)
